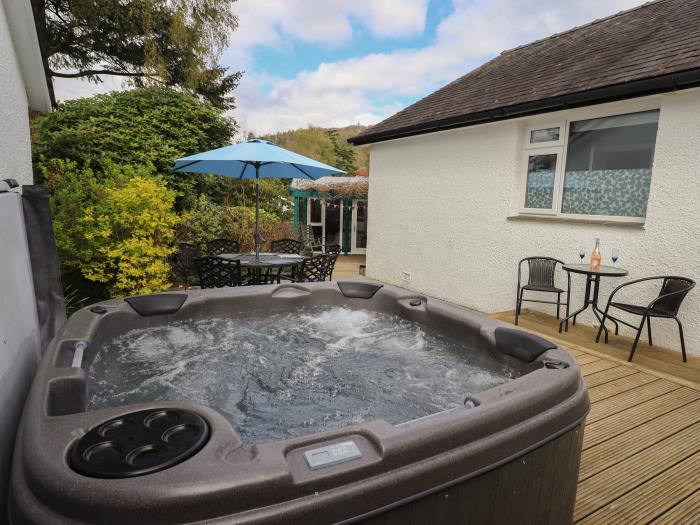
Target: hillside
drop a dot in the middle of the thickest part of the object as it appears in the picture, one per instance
(315, 143)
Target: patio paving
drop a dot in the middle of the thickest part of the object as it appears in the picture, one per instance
(641, 446)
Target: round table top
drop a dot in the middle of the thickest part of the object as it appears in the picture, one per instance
(605, 271)
(266, 260)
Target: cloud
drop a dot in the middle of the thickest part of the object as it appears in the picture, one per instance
(347, 91)
(270, 23)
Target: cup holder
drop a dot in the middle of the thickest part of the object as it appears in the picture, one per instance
(139, 443)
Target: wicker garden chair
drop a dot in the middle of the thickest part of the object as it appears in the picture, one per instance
(540, 278)
(665, 305)
(217, 246)
(184, 261)
(285, 246)
(216, 272)
(333, 249)
(314, 269)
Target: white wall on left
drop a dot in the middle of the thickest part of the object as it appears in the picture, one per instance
(15, 144)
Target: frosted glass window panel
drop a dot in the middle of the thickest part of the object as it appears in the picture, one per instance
(544, 135)
(608, 165)
(541, 172)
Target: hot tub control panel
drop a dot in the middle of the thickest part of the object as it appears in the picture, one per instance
(332, 454)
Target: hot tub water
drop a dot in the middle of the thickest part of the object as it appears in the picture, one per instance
(279, 374)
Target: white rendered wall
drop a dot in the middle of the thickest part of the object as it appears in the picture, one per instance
(440, 205)
(15, 145)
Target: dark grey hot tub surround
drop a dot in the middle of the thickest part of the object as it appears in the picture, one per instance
(514, 448)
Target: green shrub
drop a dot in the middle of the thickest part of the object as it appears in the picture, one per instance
(137, 127)
(202, 222)
(238, 223)
(115, 235)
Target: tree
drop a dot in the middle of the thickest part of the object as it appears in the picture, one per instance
(150, 42)
(136, 127)
(343, 152)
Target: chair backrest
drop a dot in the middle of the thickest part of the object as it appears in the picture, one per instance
(285, 246)
(307, 236)
(217, 246)
(315, 268)
(186, 254)
(332, 258)
(679, 286)
(540, 271)
(333, 249)
(215, 272)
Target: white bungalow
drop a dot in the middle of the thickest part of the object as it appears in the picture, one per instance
(590, 133)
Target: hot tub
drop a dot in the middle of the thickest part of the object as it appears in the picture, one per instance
(298, 404)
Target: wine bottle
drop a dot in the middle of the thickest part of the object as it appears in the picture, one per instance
(595, 256)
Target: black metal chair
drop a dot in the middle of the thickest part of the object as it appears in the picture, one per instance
(665, 305)
(216, 272)
(332, 259)
(184, 261)
(333, 249)
(314, 269)
(285, 246)
(217, 246)
(540, 278)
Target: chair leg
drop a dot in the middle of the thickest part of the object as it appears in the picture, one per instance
(518, 304)
(649, 329)
(636, 339)
(680, 331)
(602, 324)
(558, 303)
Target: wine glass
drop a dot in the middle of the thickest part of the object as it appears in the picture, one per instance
(615, 255)
(582, 252)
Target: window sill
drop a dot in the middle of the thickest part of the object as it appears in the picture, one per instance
(633, 222)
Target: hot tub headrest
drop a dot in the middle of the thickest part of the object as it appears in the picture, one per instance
(522, 345)
(157, 304)
(358, 290)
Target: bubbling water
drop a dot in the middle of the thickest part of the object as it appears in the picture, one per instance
(279, 374)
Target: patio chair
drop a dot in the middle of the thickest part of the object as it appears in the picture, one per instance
(217, 246)
(184, 261)
(540, 278)
(216, 272)
(314, 269)
(291, 246)
(332, 259)
(307, 238)
(665, 305)
(333, 249)
(285, 246)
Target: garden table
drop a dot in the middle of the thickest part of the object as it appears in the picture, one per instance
(592, 281)
(266, 261)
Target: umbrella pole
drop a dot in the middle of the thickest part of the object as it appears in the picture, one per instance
(257, 211)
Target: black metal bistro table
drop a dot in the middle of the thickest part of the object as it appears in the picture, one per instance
(267, 261)
(592, 281)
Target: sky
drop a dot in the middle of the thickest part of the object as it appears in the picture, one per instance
(333, 63)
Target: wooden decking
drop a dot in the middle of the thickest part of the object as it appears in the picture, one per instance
(641, 445)
(348, 266)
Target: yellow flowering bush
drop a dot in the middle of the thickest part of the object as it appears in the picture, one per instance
(130, 230)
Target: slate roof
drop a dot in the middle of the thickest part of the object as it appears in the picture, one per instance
(648, 49)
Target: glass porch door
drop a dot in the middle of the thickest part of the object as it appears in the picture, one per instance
(359, 226)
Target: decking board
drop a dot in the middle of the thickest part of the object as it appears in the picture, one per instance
(602, 489)
(641, 445)
(622, 446)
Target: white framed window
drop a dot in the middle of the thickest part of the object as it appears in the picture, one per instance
(598, 168)
(545, 135)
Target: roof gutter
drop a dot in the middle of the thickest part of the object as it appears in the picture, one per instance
(636, 88)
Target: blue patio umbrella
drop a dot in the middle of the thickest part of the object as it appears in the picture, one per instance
(258, 159)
